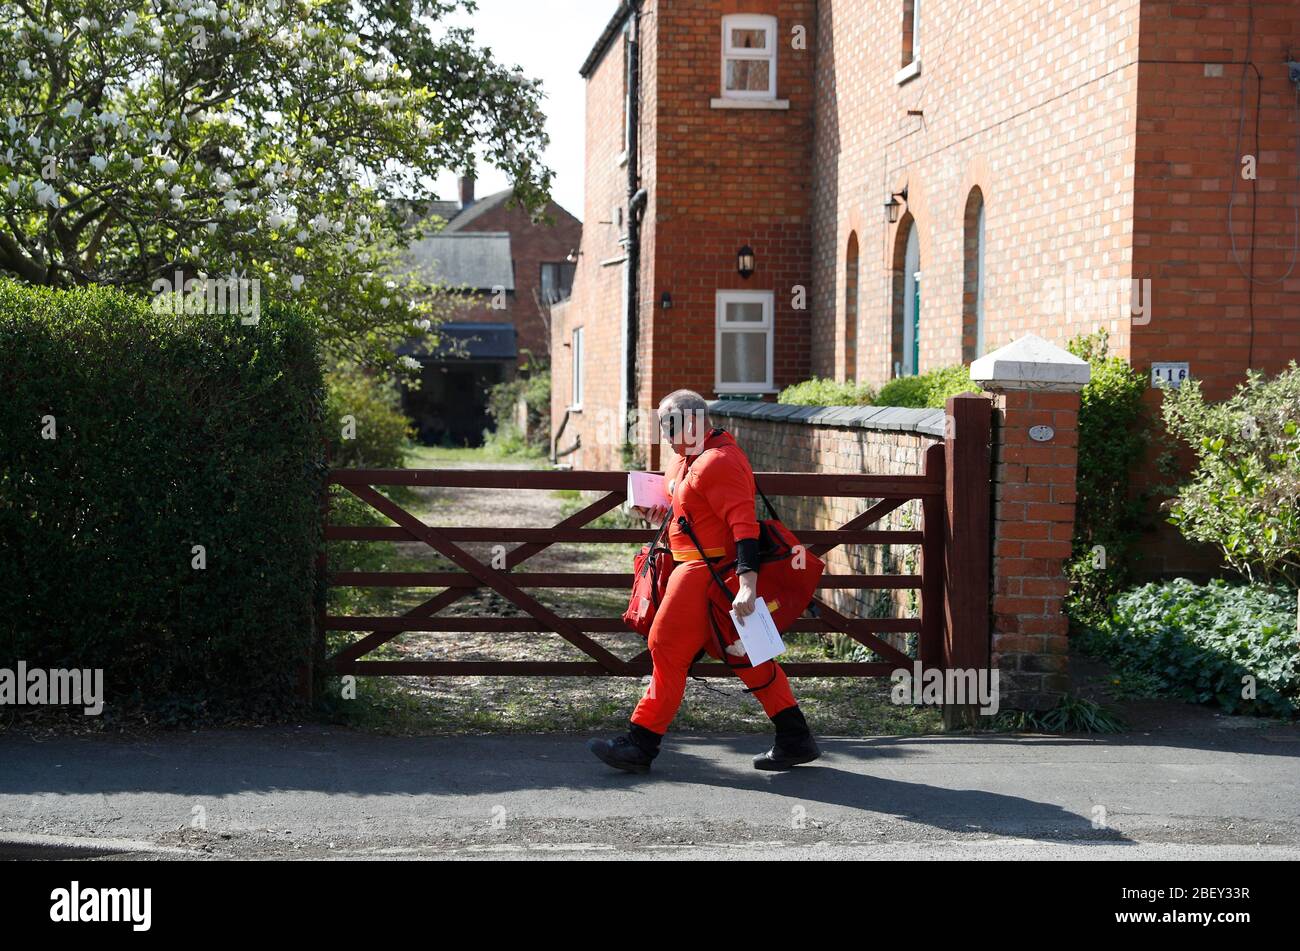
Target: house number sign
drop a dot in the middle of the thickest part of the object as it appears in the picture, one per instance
(1041, 433)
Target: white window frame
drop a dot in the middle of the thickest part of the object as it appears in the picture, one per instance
(768, 325)
(749, 21)
(913, 67)
(577, 377)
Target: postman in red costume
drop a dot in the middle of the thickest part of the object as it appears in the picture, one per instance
(714, 489)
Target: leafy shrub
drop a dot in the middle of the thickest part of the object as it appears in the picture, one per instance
(909, 391)
(171, 431)
(533, 385)
(828, 392)
(929, 390)
(1112, 439)
(1244, 493)
(1197, 643)
(382, 431)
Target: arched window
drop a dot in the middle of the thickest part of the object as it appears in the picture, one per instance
(851, 309)
(973, 284)
(906, 324)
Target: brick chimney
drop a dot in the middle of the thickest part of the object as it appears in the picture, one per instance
(466, 191)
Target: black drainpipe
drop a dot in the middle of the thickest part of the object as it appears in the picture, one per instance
(636, 202)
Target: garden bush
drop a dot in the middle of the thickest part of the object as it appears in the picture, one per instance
(533, 385)
(928, 390)
(1243, 495)
(827, 392)
(170, 431)
(1197, 643)
(381, 430)
(1113, 436)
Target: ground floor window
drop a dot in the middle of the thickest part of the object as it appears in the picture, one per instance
(744, 342)
(576, 355)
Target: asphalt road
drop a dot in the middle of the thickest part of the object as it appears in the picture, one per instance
(1221, 788)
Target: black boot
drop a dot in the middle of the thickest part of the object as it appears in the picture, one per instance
(633, 751)
(794, 742)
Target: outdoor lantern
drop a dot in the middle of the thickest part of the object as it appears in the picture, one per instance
(745, 261)
(892, 206)
(666, 301)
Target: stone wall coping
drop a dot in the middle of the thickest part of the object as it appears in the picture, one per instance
(925, 422)
(1031, 363)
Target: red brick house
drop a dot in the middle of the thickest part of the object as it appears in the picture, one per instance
(921, 181)
(513, 270)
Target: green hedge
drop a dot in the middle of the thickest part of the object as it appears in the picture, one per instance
(828, 392)
(1196, 642)
(929, 390)
(172, 431)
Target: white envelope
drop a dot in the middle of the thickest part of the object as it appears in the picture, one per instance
(759, 634)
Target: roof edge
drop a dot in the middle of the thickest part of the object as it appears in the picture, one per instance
(607, 36)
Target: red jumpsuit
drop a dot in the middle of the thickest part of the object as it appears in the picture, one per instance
(716, 493)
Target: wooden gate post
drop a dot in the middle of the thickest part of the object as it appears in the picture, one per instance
(966, 544)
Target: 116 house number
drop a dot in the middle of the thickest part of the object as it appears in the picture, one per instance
(1169, 374)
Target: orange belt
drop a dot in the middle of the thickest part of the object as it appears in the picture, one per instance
(693, 554)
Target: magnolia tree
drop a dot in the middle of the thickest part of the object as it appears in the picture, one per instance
(282, 144)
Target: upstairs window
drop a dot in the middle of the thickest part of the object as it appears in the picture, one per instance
(748, 57)
(911, 65)
(557, 282)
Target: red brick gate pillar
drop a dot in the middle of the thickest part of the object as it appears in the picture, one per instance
(1035, 387)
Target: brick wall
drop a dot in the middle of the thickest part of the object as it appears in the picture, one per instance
(1031, 102)
(817, 439)
(597, 301)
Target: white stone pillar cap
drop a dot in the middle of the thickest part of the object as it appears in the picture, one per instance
(1031, 363)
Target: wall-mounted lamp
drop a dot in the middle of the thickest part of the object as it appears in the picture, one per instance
(892, 206)
(572, 256)
(666, 301)
(745, 261)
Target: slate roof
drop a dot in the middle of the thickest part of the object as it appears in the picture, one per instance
(479, 260)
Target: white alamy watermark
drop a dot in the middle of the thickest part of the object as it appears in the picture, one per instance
(74, 903)
(209, 295)
(38, 686)
(958, 686)
(1099, 298)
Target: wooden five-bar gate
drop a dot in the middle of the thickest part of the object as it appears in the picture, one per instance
(953, 582)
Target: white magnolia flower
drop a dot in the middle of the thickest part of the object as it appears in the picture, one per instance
(275, 221)
(99, 162)
(169, 167)
(25, 70)
(45, 194)
(221, 180)
(423, 324)
(159, 185)
(211, 227)
(301, 236)
(137, 163)
(232, 204)
(384, 301)
(177, 192)
(409, 362)
(73, 109)
(129, 21)
(13, 189)
(55, 37)
(296, 282)
(319, 223)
